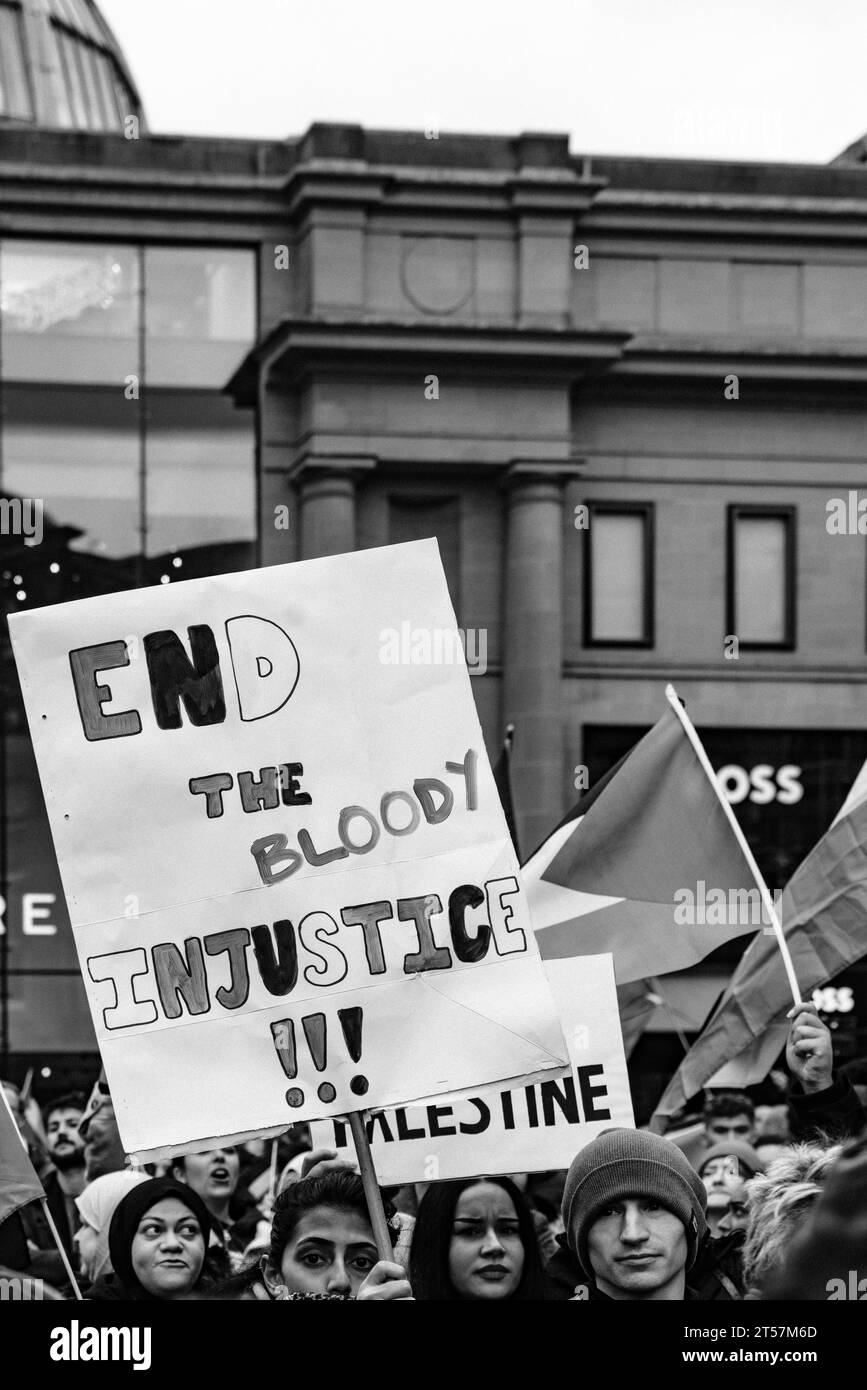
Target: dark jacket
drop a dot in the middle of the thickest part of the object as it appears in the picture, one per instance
(835, 1113)
(48, 1263)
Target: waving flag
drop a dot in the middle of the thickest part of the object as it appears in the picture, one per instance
(550, 904)
(824, 917)
(639, 871)
(18, 1181)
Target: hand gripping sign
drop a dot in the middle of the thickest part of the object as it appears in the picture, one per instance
(287, 869)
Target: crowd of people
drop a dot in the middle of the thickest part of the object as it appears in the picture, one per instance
(746, 1203)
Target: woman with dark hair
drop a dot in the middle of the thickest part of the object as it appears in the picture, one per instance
(475, 1240)
(322, 1246)
(157, 1242)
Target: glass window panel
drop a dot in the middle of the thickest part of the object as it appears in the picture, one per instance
(760, 579)
(125, 104)
(14, 90)
(64, 10)
(201, 485)
(199, 314)
(84, 20)
(74, 81)
(105, 78)
(77, 450)
(69, 311)
(617, 576)
(33, 867)
(94, 105)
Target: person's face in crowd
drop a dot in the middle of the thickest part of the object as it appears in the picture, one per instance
(214, 1175)
(486, 1255)
(719, 1175)
(718, 1172)
(86, 1241)
(168, 1249)
(736, 1214)
(722, 1127)
(103, 1150)
(637, 1249)
(330, 1251)
(63, 1141)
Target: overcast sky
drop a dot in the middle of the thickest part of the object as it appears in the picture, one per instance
(737, 79)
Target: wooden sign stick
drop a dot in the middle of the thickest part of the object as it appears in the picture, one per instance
(371, 1186)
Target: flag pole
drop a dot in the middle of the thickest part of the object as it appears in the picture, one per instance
(658, 995)
(63, 1255)
(44, 1200)
(767, 901)
(371, 1186)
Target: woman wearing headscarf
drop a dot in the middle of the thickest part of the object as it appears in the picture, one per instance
(157, 1243)
(96, 1206)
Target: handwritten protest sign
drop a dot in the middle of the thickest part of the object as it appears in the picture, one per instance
(286, 866)
(498, 1129)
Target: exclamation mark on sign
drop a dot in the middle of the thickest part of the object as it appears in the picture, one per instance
(351, 1021)
(283, 1034)
(316, 1033)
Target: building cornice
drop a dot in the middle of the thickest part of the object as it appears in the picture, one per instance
(299, 343)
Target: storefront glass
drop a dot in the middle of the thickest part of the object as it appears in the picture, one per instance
(121, 464)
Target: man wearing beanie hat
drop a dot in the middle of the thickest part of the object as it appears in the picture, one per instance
(634, 1213)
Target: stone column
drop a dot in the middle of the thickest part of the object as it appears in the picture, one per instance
(327, 504)
(533, 644)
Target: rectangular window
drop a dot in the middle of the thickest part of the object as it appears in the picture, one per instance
(619, 575)
(79, 450)
(201, 485)
(199, 314)
(69, 311)
(760, 609)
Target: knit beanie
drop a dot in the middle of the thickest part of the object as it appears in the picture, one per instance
(748, 1159)
(632, 1163)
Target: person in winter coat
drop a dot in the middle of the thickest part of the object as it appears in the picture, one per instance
(826, 1107)
(827, 1259)
(724, 1166)
(780, 1203)
(634, 1215)
(475, 1240)
(157, 1241)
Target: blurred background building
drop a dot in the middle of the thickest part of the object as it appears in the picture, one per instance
(221, 353)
